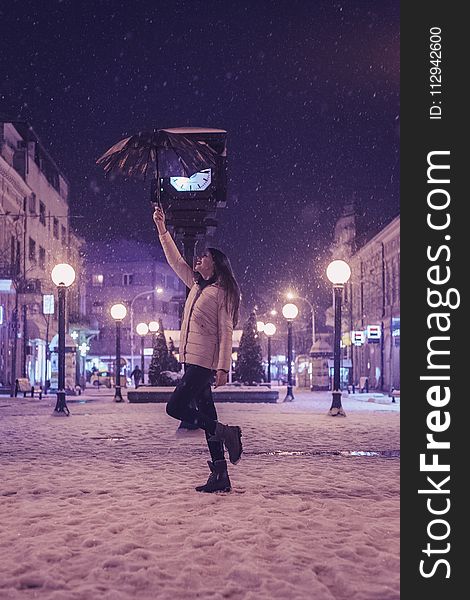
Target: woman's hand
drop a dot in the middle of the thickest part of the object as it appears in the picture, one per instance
(220, 378)
(159, 220)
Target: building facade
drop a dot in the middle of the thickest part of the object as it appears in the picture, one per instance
(372, 305)
(137, 275)
(35, 235)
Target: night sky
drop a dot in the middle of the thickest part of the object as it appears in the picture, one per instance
(307, 90)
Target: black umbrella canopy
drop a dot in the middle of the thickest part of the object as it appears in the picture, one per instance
(175, 152)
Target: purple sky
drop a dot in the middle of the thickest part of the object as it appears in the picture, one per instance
(308, 92)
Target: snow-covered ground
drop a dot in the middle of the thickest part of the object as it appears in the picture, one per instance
(101, 505)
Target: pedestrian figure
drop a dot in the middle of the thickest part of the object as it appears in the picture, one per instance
(137, 375)
(210, 314)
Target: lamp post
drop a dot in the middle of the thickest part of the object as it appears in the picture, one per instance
(292, 296)
(338, 272)
(269, 330)
(289, 311)
(142, 329)
(118, 312)
(63, 275)
(157, 290)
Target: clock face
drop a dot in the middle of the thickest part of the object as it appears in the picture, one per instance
(196, 183)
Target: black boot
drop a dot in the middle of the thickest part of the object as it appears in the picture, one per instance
(218, 479)
(231, 436)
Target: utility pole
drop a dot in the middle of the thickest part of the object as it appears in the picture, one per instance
(24, 307)
(24, 354)
(14, 330)
(15, 321)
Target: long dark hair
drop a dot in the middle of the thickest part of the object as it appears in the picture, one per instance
(225, 277)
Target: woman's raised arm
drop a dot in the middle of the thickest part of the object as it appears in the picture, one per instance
(173, 255)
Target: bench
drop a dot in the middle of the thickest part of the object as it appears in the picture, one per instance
(23, 385)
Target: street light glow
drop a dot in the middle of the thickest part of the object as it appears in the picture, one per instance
(290, 295)
(159, 290)
(270, 329)
(338, 272)
(290, 311)
(154, 326)
(259, 326)
(63, 275)
(142, 328)
(118, 311)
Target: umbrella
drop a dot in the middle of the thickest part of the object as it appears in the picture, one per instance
(175, 152)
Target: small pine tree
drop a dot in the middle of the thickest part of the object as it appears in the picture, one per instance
(249, 368)
(160, 357)
(173, 364)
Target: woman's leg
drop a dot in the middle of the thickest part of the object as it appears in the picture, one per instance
(205, 404)
(180, 407)
(194, 382)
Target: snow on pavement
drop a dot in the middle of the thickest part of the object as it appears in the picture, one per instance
(102, 504)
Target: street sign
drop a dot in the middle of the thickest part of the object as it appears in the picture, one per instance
(6, 285)
(48, 304)
(373, 333)
(358, 338)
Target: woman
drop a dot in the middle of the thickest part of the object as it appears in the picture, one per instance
(210, 314)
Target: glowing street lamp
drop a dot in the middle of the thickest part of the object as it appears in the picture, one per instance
(338, 272)
(63, 275)
(292, 296)
(118, 312)
(142, 329)
(290, 312)
(259, 326)
(156, 290)
(269, 330)
(154, 326)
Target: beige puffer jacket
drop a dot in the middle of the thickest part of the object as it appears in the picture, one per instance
(207, 327)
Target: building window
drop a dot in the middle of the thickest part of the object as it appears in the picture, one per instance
(42, 213)
(42, 258)
(12, 255)
(127, 279)
(388, 296)
(56, 228)
(97, 280)
(97, 308)
(395, 282)
(64, 234)
(171, 282)
(165, 306)
(32, 250)
(32, 204)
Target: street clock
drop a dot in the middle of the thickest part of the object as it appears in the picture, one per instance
(199, 182)
(190, 202)
(209, 183)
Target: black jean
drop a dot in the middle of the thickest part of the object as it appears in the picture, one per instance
(192, 402)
